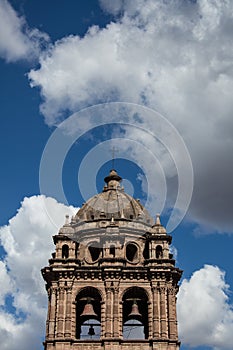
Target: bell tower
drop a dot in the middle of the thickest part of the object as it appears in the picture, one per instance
(112, 282)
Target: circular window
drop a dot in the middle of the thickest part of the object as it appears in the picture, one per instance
(93, 253)
(132, 252)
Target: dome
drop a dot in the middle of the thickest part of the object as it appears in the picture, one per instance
(113, 203)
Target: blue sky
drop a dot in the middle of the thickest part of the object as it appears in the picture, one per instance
(174, 58)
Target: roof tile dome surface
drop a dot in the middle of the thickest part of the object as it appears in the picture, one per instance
(113, 203)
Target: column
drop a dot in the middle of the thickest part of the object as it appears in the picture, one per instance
(172, 314)
(68, 312)
(108, 319)
(60, 314)
(156, 312)
(51, 313)
(103, 321)
(116, 310)
(163, 313)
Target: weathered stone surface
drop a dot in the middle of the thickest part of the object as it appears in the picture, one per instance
(116, 264)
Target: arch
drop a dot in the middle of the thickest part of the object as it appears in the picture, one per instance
(159, 252)
(91, 290)
(94, 251)
(76, 249)
(146, 251)
(65, 251)
(112, 250)
(132, 252)
(88, 313)
(135, 313)
(133, 290)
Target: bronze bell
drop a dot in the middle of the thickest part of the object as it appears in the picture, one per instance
(91, 330)
(135, 314)
(88, 311)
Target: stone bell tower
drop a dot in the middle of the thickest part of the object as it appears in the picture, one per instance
(112, 282)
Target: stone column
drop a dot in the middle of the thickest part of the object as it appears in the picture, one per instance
(102, 318)
(116, 310)
(172, 314)
(68, 312)
(60, 314)
(163, 313)
(156, 312)
(121, 319)
(108, 317)
(51, 313)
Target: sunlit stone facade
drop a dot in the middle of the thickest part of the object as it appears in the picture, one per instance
(112, 282)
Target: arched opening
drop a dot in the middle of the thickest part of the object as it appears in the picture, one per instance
(146, 251)
(159, 252)
(94, 252)
(135, 314)
(88, 314)
(76, 249)
(131, 252)
(65, 251)
(112, 251)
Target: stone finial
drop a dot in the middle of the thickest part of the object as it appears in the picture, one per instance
(157, 221)
(67, 220)
(112, 180)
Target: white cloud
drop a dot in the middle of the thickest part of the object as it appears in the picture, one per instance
(27, 240)
(204, 312)
(176, 58)
(17, 41)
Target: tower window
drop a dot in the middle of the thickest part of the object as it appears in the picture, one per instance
(65, 251)
(76, 250)
(146, 250)
(132, 252)
(88, 310)
(159, 252)
(112, 251)
(95, 252)
(135, 314)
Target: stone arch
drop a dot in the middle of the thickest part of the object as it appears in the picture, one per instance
(135, 313)
(65, 251)
(88, 313)
(159, 252)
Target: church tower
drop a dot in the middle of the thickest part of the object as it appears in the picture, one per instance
(112, 282)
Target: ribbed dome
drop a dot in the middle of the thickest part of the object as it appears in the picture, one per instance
(113, 202)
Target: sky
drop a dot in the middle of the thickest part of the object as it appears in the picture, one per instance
(151, 80)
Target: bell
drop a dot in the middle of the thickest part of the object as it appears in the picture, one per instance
(135, 314)
(91, 330)
(88, 311)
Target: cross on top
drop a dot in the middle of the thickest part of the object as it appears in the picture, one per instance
(114, 151)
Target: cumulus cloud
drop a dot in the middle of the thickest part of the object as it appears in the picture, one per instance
(27, 240)
(205, 313)
(175, 57)
(17, 40)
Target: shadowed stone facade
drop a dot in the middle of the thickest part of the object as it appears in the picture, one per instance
(112, 282)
